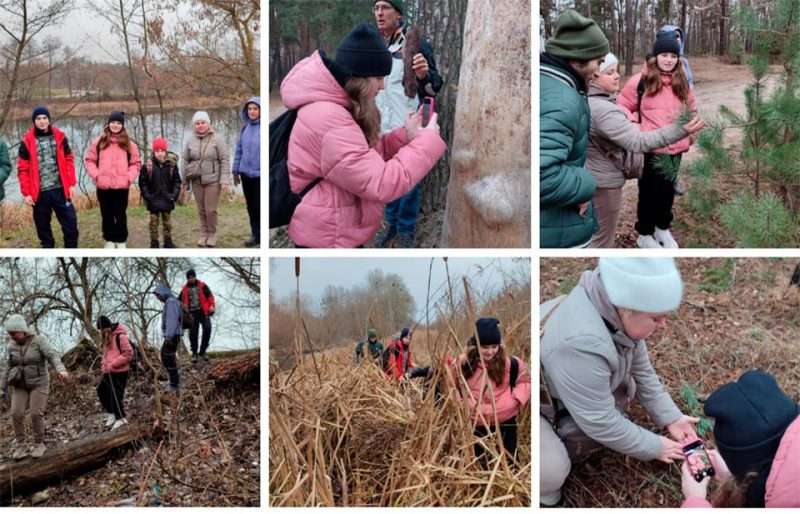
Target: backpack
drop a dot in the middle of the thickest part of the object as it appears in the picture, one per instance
(514, 373)
(136, 361)
(282, 201)
(387, 354)
(630, 164)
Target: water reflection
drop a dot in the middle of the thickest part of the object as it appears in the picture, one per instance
(82, 130)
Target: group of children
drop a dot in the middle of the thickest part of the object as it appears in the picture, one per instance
(47, 178)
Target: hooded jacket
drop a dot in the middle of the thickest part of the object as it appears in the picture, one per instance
(782, 484)
(613, 131)
(659, 110)
(247, 158)
(37, 356)
(507, 401)
(171, 315)
(28, 164)
(592, 368)
(345, 209)
(564, 182)
(117, 356)
(161, 186)
(112, 169)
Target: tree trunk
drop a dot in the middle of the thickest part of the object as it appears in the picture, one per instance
(723, 31)
(629, 37)
(69, 459)
(488, 201)
(682, 25)
(442, 24)
(614, 32)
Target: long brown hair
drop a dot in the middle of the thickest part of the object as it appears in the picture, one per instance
(106, 336)
(679, 83)
(363, 108)
(495, 367)
(123, 140)
(733, 491)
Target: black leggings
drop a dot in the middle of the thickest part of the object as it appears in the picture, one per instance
(508, 433)
(656, 196)
(111, 391)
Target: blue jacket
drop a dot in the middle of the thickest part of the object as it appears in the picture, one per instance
(171, 316)
(247, 160)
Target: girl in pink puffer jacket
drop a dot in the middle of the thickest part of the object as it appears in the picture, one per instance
(667, 94)
(498, 405)
(113, 164)
(115, 365)
(337, 138)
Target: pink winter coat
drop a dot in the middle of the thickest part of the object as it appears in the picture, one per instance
(783, 483)
(507, 401)
(345, 209)
(658, 110)
(112, 171)
(116, 359)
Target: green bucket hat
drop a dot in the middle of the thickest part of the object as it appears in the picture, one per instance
(372, 333)
(577, 38)
(399, 5)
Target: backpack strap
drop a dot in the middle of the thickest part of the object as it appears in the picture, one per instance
(310, 187)
(512, 379)
(639, 95)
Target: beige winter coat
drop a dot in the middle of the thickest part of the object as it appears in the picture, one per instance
(38, 355)
(216, 158)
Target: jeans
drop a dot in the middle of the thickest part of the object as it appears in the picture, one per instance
(402, 212)
(200, 319)
(54, 200)
(113, 204)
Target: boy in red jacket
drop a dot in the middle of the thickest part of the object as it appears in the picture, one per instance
(47, 179)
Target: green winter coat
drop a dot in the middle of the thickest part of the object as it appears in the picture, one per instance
(375, 350)
(36, 358)
(5, 167)
(563, 181)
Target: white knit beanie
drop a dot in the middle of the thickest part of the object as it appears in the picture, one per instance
(16, 323)
(201, 116)
(644, 284)
(609, 61)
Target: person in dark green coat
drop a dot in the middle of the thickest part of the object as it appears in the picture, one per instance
(566, 217)
(373, 346)
(5, 167)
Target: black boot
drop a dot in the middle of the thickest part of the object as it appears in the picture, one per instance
(154, 243)
(252, 242)
(168, 243)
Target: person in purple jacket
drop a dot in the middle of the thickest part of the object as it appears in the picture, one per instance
(247, 166)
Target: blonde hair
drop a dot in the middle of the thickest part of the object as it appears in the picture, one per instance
(363, 108)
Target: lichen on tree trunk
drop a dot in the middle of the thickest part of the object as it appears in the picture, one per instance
(489, 196)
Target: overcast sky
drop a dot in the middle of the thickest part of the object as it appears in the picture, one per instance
(318, 273)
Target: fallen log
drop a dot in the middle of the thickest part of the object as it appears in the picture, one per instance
(70, 459)
(243, 371)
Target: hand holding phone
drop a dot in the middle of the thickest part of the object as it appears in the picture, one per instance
(427, 110)
(697, 460)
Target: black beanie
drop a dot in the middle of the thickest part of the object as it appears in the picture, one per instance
(488, 331)
(404, 332)
(398, 5)
(363, 53)
(117, 116)
(40, 111)
(104, 322)
(190, 273)
(667, 42)
(751, 416)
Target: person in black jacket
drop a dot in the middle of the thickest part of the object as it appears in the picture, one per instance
(160, 184)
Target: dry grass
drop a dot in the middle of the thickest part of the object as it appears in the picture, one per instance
(342, 435)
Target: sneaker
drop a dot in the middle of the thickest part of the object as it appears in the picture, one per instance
(194, 357)
(118, 423)
(647, 242)
(38, 450)
(205, 357)
(386, 236)
(171, 389)
(168, 243)
(19, 450)
(404, 241)
(252, 242)
(121, 245)
(665, 238)
(109, 244)
(110, 419)
(677, 190)
(154, 243)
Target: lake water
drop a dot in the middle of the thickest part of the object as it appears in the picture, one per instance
(82, 130)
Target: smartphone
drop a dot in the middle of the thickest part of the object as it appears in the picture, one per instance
(427, 110)
(697, 460)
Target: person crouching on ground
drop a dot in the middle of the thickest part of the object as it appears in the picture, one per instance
(757, 431)
(594, 361)
(337, 138)
(496, 410)
(160, 184)
(115, 365)
(27, 373)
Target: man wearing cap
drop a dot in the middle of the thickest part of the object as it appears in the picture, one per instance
(394, 105)
(46, 170)
(566, 216)
(171, 331)
(374, 346)
(197, 297)
(594, 362)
